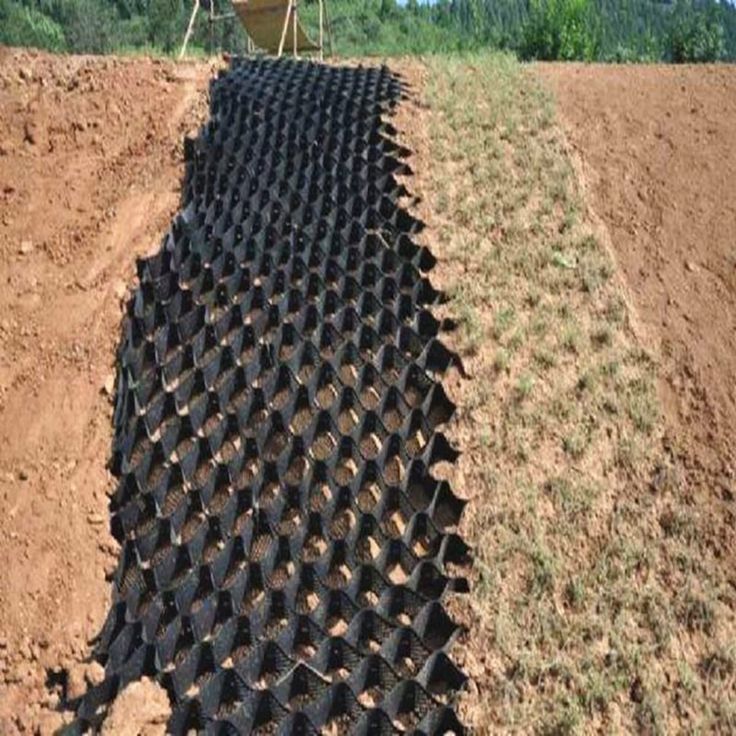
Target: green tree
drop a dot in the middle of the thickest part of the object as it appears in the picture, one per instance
(561, 29)
(388, 9)
(89, 26)
(26, 26)
(695, 35)
(165, 24)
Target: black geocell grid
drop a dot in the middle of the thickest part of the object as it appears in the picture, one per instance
(285, 548)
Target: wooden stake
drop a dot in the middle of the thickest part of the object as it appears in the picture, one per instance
(321, 34)
(294, 14)
(283, 32)
(190, 27)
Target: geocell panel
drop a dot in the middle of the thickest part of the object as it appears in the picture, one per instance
(286, 551)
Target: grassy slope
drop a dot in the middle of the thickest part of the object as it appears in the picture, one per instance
(597, 602)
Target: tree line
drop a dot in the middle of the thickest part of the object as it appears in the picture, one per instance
(588, 30)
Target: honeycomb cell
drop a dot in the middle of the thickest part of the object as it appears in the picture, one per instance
(285, 550)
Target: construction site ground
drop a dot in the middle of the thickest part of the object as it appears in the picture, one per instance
(590, 222)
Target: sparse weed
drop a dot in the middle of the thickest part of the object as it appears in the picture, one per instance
(576, 443)
(470, 323)
(524, 386)
(501, 361)
(502, 321)
(545, 358)
(695, 612)
(543, 577)
(602, 336)
(570, 339)
(575, 593)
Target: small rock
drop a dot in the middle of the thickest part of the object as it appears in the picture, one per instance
(22, 475)
(76, 685)
(142, 707)
(25, 74)
(95, 519)
(689, 265)
(26, 247)
(109, 386)
(109, 568)
(25, 649)
(120, 289)
(30, 134)
(51, 722)
(94, 674)
(50, 700)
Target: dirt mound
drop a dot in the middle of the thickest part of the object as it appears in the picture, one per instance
(659, 161)
(90, 166)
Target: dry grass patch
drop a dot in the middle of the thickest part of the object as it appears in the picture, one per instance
(597, 601)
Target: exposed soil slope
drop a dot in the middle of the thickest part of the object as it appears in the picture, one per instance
(658, 146)
(90, 166)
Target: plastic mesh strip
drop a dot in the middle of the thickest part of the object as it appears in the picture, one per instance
(285, 549)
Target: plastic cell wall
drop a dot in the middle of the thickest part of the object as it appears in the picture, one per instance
(286, 553)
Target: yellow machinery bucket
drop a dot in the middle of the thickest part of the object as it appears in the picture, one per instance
(273, 26)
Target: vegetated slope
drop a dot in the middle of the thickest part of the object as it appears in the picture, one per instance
(604, 591)
(90, 168)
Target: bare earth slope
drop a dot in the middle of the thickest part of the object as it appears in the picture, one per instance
(90, 166)
(658, 146)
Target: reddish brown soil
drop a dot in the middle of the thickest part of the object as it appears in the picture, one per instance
(658, 151)
(90, 168)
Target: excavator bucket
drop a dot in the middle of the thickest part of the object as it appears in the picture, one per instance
(265, 21)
